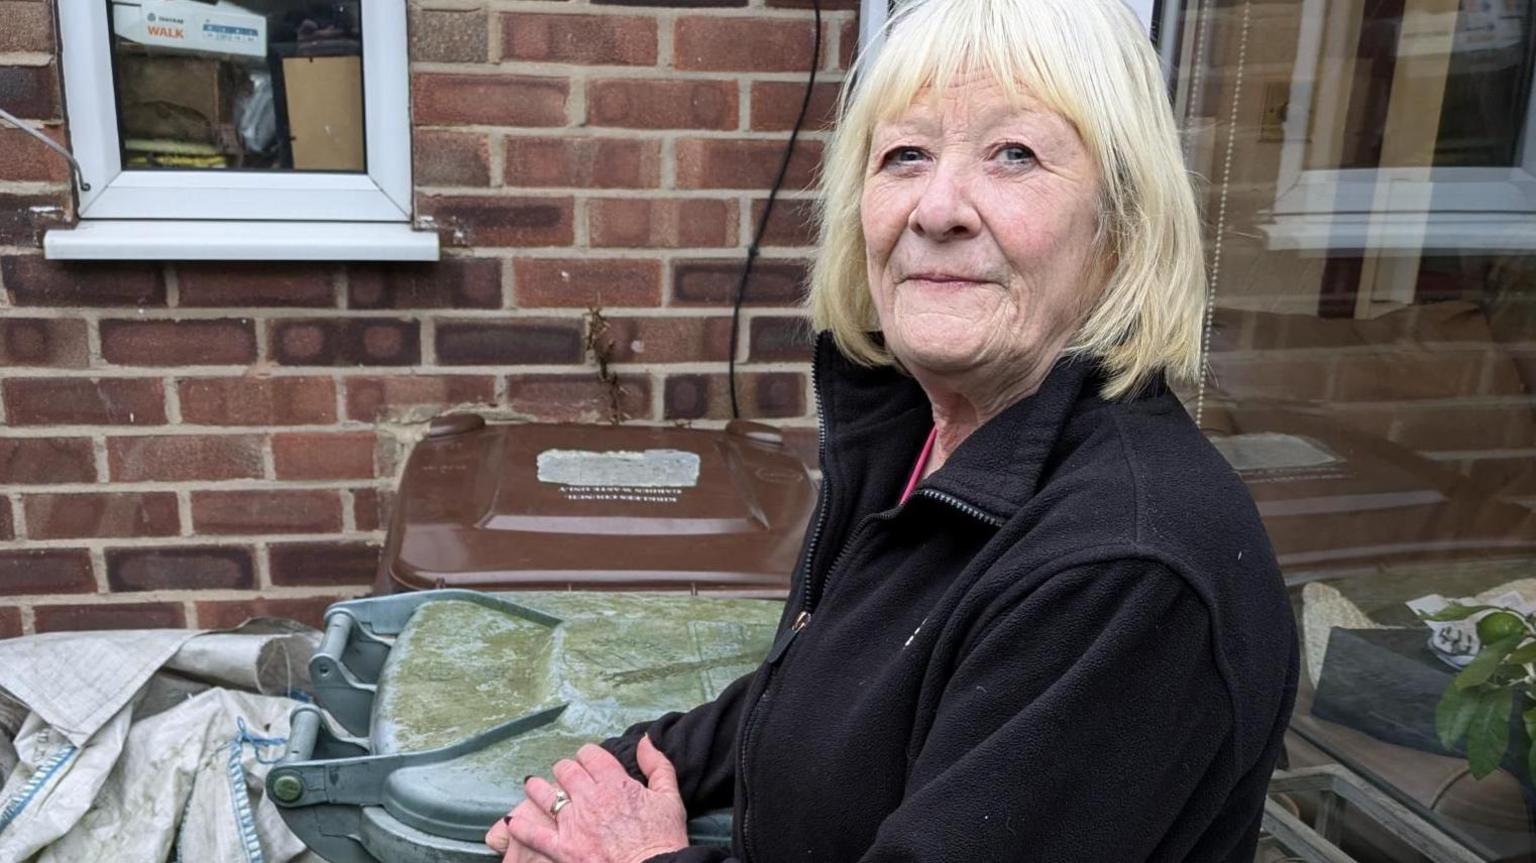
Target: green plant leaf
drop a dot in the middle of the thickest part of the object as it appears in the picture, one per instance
(1524, 654)
(1455, 611)
(1488, 735)
(1487, 661)
(1453, 715)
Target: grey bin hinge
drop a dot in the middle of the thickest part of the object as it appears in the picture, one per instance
(52, 145)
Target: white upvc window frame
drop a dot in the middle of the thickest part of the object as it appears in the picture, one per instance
(1407, 209)
(122, 202)
(874, 13)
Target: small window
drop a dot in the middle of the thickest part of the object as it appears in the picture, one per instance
(1409, 132)
(269, 111)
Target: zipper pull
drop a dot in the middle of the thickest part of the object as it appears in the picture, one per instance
(781, 644)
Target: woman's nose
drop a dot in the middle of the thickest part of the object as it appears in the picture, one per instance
(945, 212)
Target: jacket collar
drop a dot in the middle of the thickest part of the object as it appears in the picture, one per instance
(875, 419)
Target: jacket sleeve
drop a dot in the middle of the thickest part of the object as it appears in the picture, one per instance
(1076, 725)
(701, 744)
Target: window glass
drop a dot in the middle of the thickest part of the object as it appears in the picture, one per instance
(255, 85)
(1367, 171)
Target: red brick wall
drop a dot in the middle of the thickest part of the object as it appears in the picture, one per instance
(188, 444)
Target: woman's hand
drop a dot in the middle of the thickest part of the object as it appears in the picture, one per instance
(499, 837)
(610, 818)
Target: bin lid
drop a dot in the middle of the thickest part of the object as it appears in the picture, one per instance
(580, 666)
(497, 507)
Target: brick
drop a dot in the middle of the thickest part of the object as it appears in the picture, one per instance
(451, 283)
(10, 623)
(215, 342)
(762, 395)
(24, 158)
(710, 282)
(34, 281)
(578, 398)
(1278, 375)
(84, 401)
(327, 563)
(7, 522)
(713, 163)
(501, 221)
(241, 283)
(198, 567)
(345, 342)
(778, 339)
(1453, 425)
(627, 103)
(53, 570)
(228, 614)
(449, 36)
(442, 158)
(30, 92)
(176, 458)
(669, 340)
(117, 615)
(585, 283)
(1407, 375)
(28, 27)
(847, 43)
(792, 224)
(440, 99)
(51, 342)
(641, 223)
(804, 443)
(676, 4)
(371, 507)
(589, 40)
(45, 461)
(776, 105)
(307, 455)
(85, 516)
(263, 512)
(529, 341)
(591, 163)
(711, 44)
(24, 217)
(415, 397)
(252, 401)
(826, 5)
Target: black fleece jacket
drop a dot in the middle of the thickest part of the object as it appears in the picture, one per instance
(1071, 644)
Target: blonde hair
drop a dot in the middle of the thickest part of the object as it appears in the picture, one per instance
(1091, 62)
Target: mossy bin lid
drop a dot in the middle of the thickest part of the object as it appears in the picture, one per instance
(478, 691)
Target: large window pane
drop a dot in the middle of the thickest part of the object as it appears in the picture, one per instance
(1369, 181)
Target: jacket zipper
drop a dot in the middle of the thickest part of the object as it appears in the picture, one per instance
(781, 643)
(972, 511)
(786, 638)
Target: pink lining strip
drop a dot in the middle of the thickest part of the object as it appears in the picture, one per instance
(922, 465)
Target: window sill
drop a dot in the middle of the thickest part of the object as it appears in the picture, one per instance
(1457, 233)
(151, 240)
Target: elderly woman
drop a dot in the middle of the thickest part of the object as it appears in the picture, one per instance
(1036, 615)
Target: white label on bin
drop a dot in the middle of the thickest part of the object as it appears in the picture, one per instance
(1268, 451)
(652, 468)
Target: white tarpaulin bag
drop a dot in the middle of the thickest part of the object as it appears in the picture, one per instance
(127, 752)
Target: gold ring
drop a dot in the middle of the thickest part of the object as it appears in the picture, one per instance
(561, 799)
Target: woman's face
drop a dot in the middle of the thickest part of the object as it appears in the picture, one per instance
(979, 219)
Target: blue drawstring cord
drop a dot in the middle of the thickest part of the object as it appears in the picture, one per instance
(257, 742)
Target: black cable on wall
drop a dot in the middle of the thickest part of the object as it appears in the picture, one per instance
(762, 224)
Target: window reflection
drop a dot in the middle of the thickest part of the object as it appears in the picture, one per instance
(1369, 178)
(259, 84)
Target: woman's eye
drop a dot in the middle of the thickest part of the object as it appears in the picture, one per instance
(1017, 154)
(904, 156)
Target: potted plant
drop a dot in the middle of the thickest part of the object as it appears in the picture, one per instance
(1477, 704)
